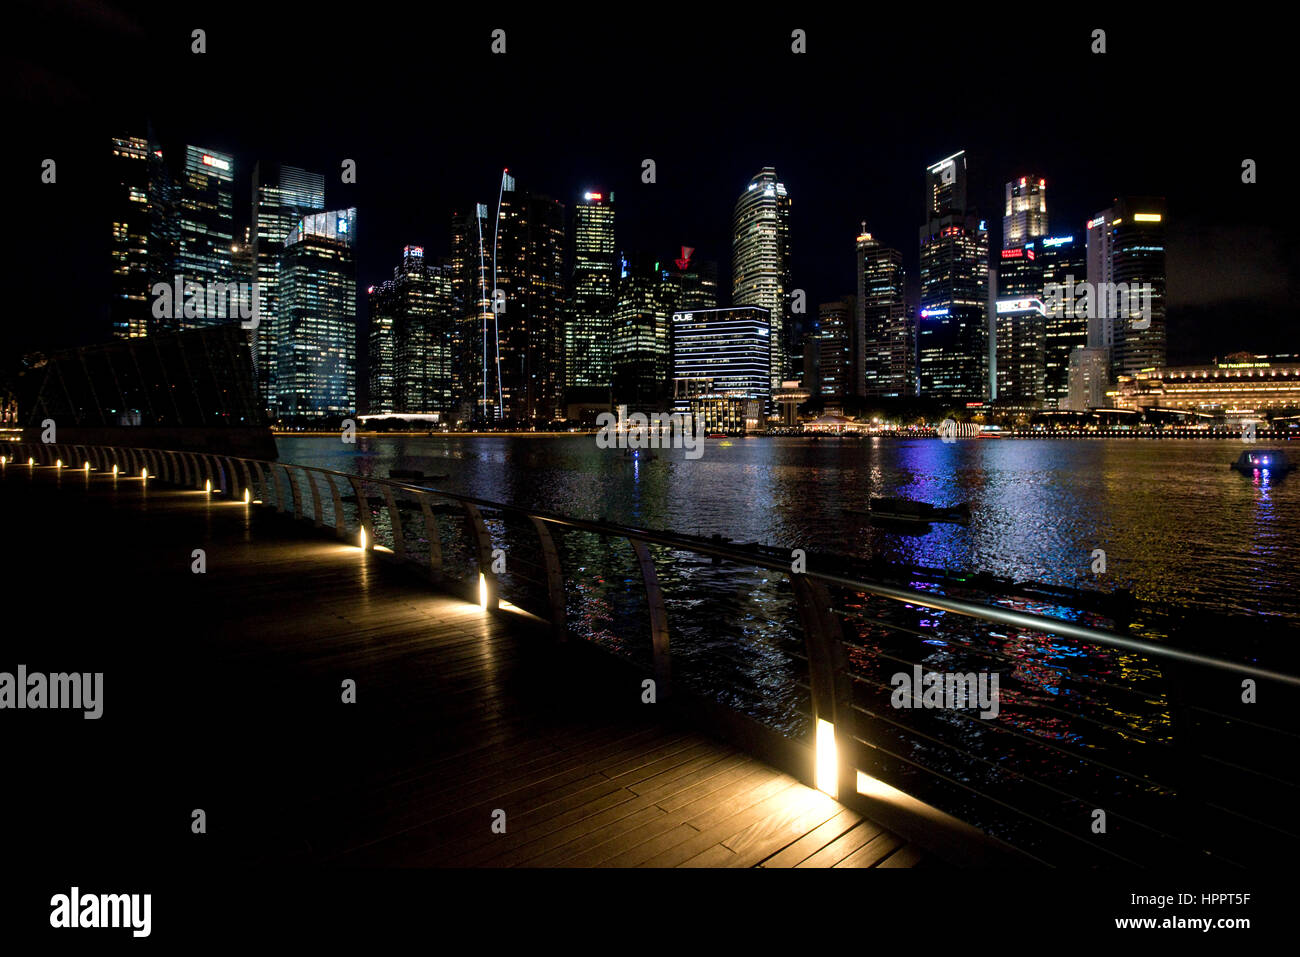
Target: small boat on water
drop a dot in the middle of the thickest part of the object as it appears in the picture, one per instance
(1273, 461)
(906, 511)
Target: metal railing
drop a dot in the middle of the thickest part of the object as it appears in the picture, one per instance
(1113, 746)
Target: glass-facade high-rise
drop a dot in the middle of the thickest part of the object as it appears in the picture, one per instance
(641, 332)
(1126, 270)
(1062, 260)
(835, 347)
(760, 265)
(590, 309)
(129, 306)
(410, 338)
(204, 210)
(724, 352)
(315, 323)
(1024, 215)
(529, 323)
(885, 356)
(953, 329)
(282, 196)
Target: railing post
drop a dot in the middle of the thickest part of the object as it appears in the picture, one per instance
(432, 534)
(554, 579)
(478, 534)
(315, 499)
(340, 523)
(395, 520)
(658, 618)
(294, 494)
(828, 675)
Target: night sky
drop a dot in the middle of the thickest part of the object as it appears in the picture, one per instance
(579, 100)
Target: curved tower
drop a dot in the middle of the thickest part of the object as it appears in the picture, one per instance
(760, 264)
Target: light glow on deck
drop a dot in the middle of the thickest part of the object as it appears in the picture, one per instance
(827, 761)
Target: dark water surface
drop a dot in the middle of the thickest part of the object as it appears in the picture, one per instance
(1176, 524)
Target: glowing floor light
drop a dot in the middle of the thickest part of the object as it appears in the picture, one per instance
(31, 462)
(144, 475)
(482, 591)
(827, 764)
(363, 537)
(87, 466)
(58, 463)
(208, 486)
(248, 496)
(114, 471)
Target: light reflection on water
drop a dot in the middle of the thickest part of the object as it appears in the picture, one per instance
(1177, 524)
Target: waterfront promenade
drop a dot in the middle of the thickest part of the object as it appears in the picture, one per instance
(224, 691)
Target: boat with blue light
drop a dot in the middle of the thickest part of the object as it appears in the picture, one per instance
(1273, 461)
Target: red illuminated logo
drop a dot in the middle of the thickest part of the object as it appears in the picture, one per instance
(1013, 253)
(687, 252)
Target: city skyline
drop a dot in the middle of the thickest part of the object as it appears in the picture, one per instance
(407, 185)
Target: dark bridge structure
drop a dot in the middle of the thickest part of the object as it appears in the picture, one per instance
(535, 689)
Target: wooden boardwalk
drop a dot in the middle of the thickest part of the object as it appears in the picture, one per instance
(224, 692)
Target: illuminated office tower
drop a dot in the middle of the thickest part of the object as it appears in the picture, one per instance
(641, 333)
(1126, 270)
(315, 323)
(205, 217)
(591, 295)
(1062, 260)
(282, 196)
(721, 352)
(381, 366)
(129, 306)
(760, 265)
(954, 321)
(885, 351)
(1024, 216)
(410, 335)
(471, 267)
(527, 366)
(1021, 356)
(834, 341)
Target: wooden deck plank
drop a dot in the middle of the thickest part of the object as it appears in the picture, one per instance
(458, 713)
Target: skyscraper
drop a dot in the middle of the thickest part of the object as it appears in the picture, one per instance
(885, 350)
(721, 352)
(760, 265)
(315, 323)
(411, 320)
(1126, 270)
(954, 333)
(641, 332)
(205, 212)
(1024, 216)
(1062, 260)
(591, 292)
(471, 267)
(129, 307)
(835, 347)
(529, 247)
(282, 196)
